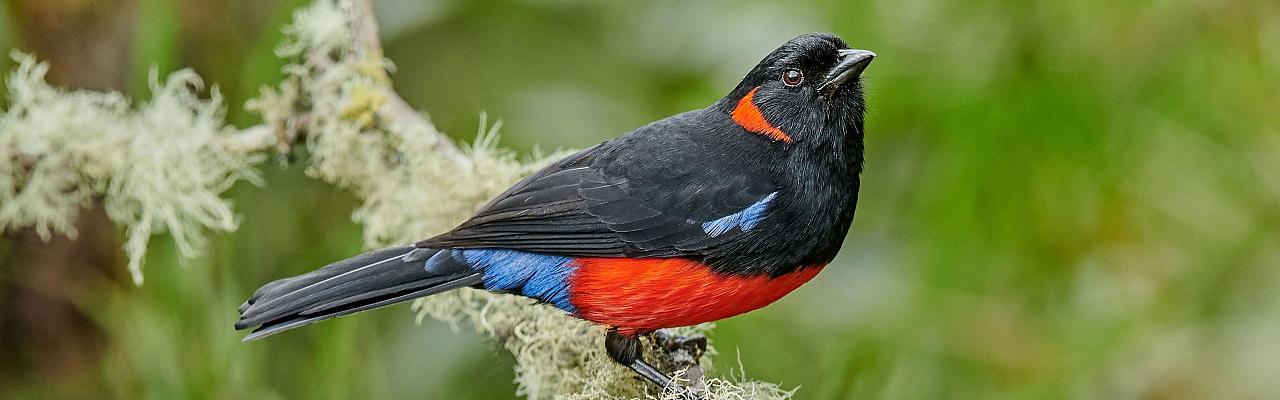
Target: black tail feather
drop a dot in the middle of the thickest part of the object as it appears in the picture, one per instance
(370, 280)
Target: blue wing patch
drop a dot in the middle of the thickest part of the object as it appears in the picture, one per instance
(745, 219)
(540, 276)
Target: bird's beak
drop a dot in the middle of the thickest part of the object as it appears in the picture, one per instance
(852, 63)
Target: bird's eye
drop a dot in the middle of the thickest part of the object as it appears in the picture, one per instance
(792, 77)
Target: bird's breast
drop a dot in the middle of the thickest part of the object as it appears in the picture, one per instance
(641, 295)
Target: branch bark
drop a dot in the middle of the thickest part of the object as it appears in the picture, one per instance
(368, 46)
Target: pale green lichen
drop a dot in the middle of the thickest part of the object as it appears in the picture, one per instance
(157, 167)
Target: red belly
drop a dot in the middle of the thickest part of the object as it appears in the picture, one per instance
(641, 295)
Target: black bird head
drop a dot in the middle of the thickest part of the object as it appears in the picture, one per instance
(807, 91)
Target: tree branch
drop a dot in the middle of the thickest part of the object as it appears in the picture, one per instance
(368, 46)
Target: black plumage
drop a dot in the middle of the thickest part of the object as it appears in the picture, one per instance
(760, 184)
(370, 280)
(646, 193)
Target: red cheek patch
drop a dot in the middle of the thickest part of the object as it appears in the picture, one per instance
(748, 116)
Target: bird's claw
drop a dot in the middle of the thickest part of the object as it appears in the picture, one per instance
(683, 353)
(695, 346)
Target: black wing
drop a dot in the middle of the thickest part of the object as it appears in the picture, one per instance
(635, 196)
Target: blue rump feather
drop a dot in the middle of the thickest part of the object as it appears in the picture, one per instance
(540, 276)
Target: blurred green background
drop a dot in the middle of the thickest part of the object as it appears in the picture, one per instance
(1070, 200)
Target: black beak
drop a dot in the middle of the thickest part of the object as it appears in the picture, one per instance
(852, 63)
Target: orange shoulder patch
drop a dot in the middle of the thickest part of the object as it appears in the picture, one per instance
(748, 116)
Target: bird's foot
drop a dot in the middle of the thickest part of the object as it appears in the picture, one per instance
(683, 353)
(680, 353)
(676, 345)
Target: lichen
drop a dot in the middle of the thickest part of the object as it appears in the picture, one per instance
(157, 167)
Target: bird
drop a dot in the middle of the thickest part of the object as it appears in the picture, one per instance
(694, 218)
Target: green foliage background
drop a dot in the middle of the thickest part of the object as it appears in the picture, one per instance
(1061, 200)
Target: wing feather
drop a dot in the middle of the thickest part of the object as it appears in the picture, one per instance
(610, 201)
